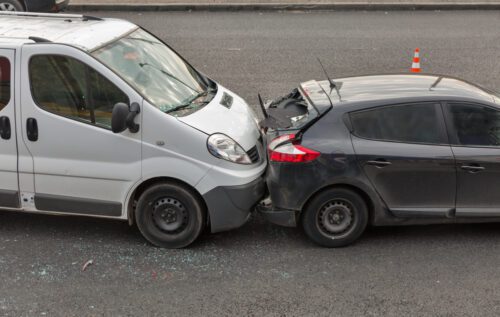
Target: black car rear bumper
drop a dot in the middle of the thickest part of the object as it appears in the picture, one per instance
(285, 218)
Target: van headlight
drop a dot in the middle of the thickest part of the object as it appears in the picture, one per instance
(223, 147)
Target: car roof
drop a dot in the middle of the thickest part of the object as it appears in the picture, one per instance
(405, 86)
(87, 33)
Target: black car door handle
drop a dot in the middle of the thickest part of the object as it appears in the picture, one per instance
(379, 163)
(472, 168)
(32, 129)
(5, 128)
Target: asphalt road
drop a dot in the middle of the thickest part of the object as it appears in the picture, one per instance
(262, 269)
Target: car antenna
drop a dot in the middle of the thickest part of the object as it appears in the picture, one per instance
(333, 85)
(262, 108)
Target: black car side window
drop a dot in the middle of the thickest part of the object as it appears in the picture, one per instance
(475, 125)
(409, 123)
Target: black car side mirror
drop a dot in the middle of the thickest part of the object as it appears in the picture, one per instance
(123, 117)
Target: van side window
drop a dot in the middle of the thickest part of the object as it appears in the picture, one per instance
(412, 123)
(475, 125)
(4, 82)
(69, 88)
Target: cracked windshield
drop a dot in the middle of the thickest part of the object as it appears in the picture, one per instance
(155, 71)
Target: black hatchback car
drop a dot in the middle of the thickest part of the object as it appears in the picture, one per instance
(33, 5)
(382, 150)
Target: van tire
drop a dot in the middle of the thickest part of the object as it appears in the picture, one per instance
(335, 217)
(170, 215)
(4, 4)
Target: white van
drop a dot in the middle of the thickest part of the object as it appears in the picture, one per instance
(100, 118)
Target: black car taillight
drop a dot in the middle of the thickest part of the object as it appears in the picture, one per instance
(286, 148)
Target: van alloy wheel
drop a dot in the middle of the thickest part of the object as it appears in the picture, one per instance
(170, 215)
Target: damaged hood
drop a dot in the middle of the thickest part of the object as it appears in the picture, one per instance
(229, 114)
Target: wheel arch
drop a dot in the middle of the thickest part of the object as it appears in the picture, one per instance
(369, 200)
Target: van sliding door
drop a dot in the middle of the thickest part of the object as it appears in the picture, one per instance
(9, 186)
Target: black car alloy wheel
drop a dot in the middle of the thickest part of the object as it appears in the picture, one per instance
(11, 5)
(335, 217)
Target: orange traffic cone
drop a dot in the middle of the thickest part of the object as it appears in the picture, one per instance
(415, 66)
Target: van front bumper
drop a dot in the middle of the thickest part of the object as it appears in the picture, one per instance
(230, 207)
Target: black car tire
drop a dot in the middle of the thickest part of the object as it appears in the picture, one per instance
(11, 3)
(170, 215)
(335, 217)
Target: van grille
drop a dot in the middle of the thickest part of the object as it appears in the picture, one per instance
(253, 153)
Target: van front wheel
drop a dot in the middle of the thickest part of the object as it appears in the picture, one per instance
(170, 216)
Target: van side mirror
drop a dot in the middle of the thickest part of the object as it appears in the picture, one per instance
(123, 117)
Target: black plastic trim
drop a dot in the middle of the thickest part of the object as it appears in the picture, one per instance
(37, 39)
(478, 212)
(9, 198)
(423, 212)
(46, 202)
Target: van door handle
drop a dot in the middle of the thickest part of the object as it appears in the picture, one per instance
(472, 168)
(32, 129)
(5, 130)
(379, 163)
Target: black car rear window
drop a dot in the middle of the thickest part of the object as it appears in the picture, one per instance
(411, 123)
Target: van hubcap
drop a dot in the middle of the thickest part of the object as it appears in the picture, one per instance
(335, 217)
(6, 7)
(170, 215)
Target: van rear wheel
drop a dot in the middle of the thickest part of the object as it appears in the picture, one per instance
(335, 217)
(170, 216)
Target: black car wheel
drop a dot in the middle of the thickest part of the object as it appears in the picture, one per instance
(335, 217)
(170, 216)
(11, 5)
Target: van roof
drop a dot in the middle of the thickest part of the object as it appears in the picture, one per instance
(87, 33)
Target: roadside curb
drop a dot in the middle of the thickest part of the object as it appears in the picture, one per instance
(285, 7)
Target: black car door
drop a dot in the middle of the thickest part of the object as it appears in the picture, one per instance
(404, 151)
(474, 131)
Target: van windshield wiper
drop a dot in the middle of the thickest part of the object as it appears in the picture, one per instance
(190, 102)
(169, 75)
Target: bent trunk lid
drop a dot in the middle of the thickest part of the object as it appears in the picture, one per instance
(297, 110)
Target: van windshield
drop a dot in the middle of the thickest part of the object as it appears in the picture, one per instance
(155, 71)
